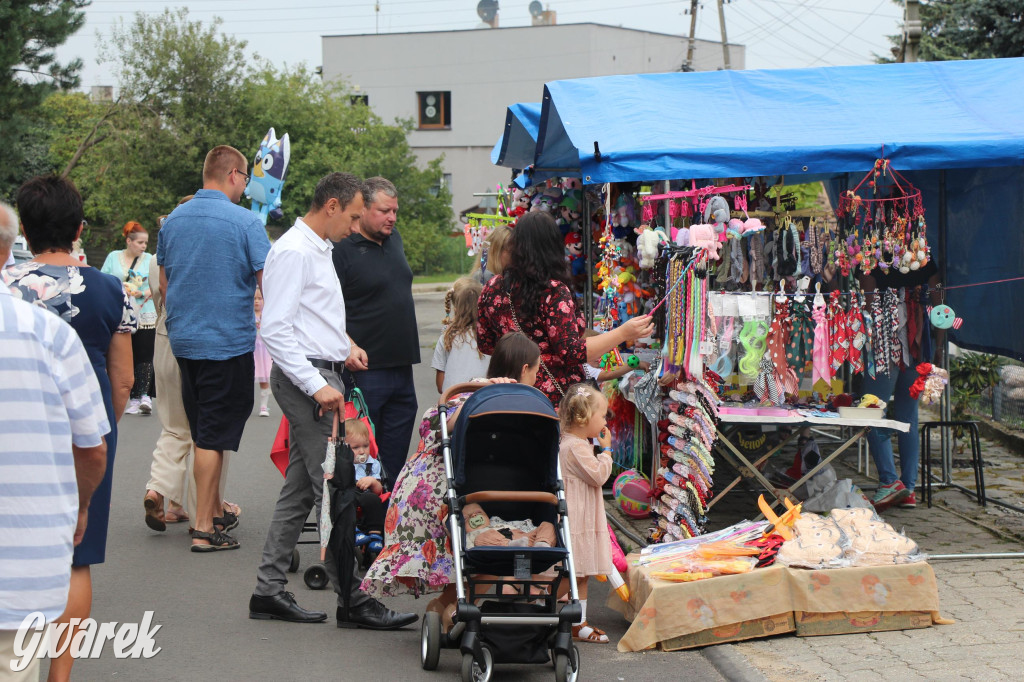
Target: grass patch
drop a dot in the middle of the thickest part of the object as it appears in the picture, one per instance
(439, 278)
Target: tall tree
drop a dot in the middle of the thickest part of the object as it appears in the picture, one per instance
(29, 71)
(967, 29)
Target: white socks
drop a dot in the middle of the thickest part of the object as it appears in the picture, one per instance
(264, 397)
(583, 605)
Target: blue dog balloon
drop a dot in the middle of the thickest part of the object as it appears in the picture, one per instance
(268, 171)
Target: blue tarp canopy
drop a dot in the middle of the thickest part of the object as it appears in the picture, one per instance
(720, 124)
(518, 143)
(959, 123)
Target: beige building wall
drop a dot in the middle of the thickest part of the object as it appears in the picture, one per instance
(485, 70)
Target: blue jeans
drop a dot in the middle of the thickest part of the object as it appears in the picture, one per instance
(391, 397)
(894, 387)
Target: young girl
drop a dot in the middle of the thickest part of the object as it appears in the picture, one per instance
(582, 415)
(456, 357)
(261, 358)
(517, 357)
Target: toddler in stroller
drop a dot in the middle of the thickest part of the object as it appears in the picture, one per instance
(370, 498)
(503, 461)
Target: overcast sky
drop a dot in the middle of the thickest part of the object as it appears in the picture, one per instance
(777, 33)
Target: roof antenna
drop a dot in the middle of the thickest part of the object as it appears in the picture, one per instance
(597, 151)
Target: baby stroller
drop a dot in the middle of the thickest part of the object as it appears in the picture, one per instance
(504, 457)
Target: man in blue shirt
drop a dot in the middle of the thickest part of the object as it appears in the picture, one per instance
(211, 255)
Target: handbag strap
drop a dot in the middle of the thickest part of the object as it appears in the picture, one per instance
(515, 320)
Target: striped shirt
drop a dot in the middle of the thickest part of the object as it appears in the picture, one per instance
(49, 400)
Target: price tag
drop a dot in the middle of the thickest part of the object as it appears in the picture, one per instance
(747, 306)
(708, 347)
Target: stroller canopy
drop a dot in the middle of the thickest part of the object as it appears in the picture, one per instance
(510, 424)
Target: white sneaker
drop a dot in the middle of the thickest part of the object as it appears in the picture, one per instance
(264, 412)
(146, 405)
(133, 406)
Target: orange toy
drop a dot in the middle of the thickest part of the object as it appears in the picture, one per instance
(781, 525)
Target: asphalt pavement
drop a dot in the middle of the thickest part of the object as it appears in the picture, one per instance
(201, 600)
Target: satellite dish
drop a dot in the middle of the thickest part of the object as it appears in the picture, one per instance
(536, 8)
(487, 10)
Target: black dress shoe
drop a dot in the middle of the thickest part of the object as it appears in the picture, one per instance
(282, 607)
(373, 615)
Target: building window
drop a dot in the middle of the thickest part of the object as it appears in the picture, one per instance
(435, 110)
(444, 181)
(359, 99)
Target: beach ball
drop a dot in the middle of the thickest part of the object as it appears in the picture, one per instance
(633, 494)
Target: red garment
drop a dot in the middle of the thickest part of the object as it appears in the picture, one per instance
(839, 334)
(557, 328)
(778, 337)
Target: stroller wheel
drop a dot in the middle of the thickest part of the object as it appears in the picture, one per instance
(294, 566)
(315, 577)
(430, 640)
(567, 668)
(472, 670)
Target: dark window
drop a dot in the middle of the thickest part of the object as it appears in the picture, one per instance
(435, 109)
(359, 99)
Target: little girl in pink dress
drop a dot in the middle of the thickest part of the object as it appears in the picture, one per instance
(261, 358)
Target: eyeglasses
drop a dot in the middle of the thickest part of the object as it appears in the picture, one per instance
(242, 173)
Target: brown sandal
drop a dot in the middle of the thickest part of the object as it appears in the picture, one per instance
(595, 636)
(154, 504)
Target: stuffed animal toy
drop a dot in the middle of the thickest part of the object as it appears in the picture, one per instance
(716, 213)
(648, 242)
(574, 245)
(569, 211)
(520, 204)
(482, 531)
(268, 171)
(703, 237)
(569, 184)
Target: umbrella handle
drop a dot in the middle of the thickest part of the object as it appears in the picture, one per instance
(334, 427)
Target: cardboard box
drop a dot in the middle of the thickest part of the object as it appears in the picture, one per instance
(847, 622)
(748, 629)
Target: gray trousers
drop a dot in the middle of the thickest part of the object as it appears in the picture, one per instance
(302, 490)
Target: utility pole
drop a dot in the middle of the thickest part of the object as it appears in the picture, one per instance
(912, 30)
(725, 41)
(693, 34)
(376, 17)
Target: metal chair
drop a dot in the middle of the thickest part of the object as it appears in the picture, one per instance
(976, 462)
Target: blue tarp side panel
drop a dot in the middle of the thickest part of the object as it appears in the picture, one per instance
(518, 144)
(985, 243)
(926, 115)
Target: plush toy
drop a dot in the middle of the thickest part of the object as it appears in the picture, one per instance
(569, 184)
(482, 531)
(943, 317)
(520, 204)
(648, 243)
(716, 212)
(703, 237)
(569, 211)
(268, 171)
(574, 245)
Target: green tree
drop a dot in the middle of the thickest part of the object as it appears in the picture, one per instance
(29, 72)
(967, 29)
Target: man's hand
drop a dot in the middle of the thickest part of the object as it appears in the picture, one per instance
(357, 360)
(83, 520)
(369, 483)
(329, 399)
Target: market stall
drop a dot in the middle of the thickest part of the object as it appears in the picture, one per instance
(730, 275)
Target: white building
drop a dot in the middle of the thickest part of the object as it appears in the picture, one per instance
(456, 85)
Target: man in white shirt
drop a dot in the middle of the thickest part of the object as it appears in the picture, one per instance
(306, 338)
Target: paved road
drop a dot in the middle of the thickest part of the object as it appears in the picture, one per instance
(201, 600)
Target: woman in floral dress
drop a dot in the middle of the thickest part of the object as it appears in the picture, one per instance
(532, 295)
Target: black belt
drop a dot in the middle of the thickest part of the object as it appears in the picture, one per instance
(329, 365)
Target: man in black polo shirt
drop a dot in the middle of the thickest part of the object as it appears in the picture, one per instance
(377, 285)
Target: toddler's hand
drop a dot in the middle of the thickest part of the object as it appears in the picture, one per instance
(605, 438)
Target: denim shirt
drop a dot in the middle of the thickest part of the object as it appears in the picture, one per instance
(211, 250)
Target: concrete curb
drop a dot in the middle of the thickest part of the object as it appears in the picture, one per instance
(731, 664)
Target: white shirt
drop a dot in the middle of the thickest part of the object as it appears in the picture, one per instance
(462, 363)
(303, 310)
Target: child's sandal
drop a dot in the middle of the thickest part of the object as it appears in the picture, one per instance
(584, 632)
